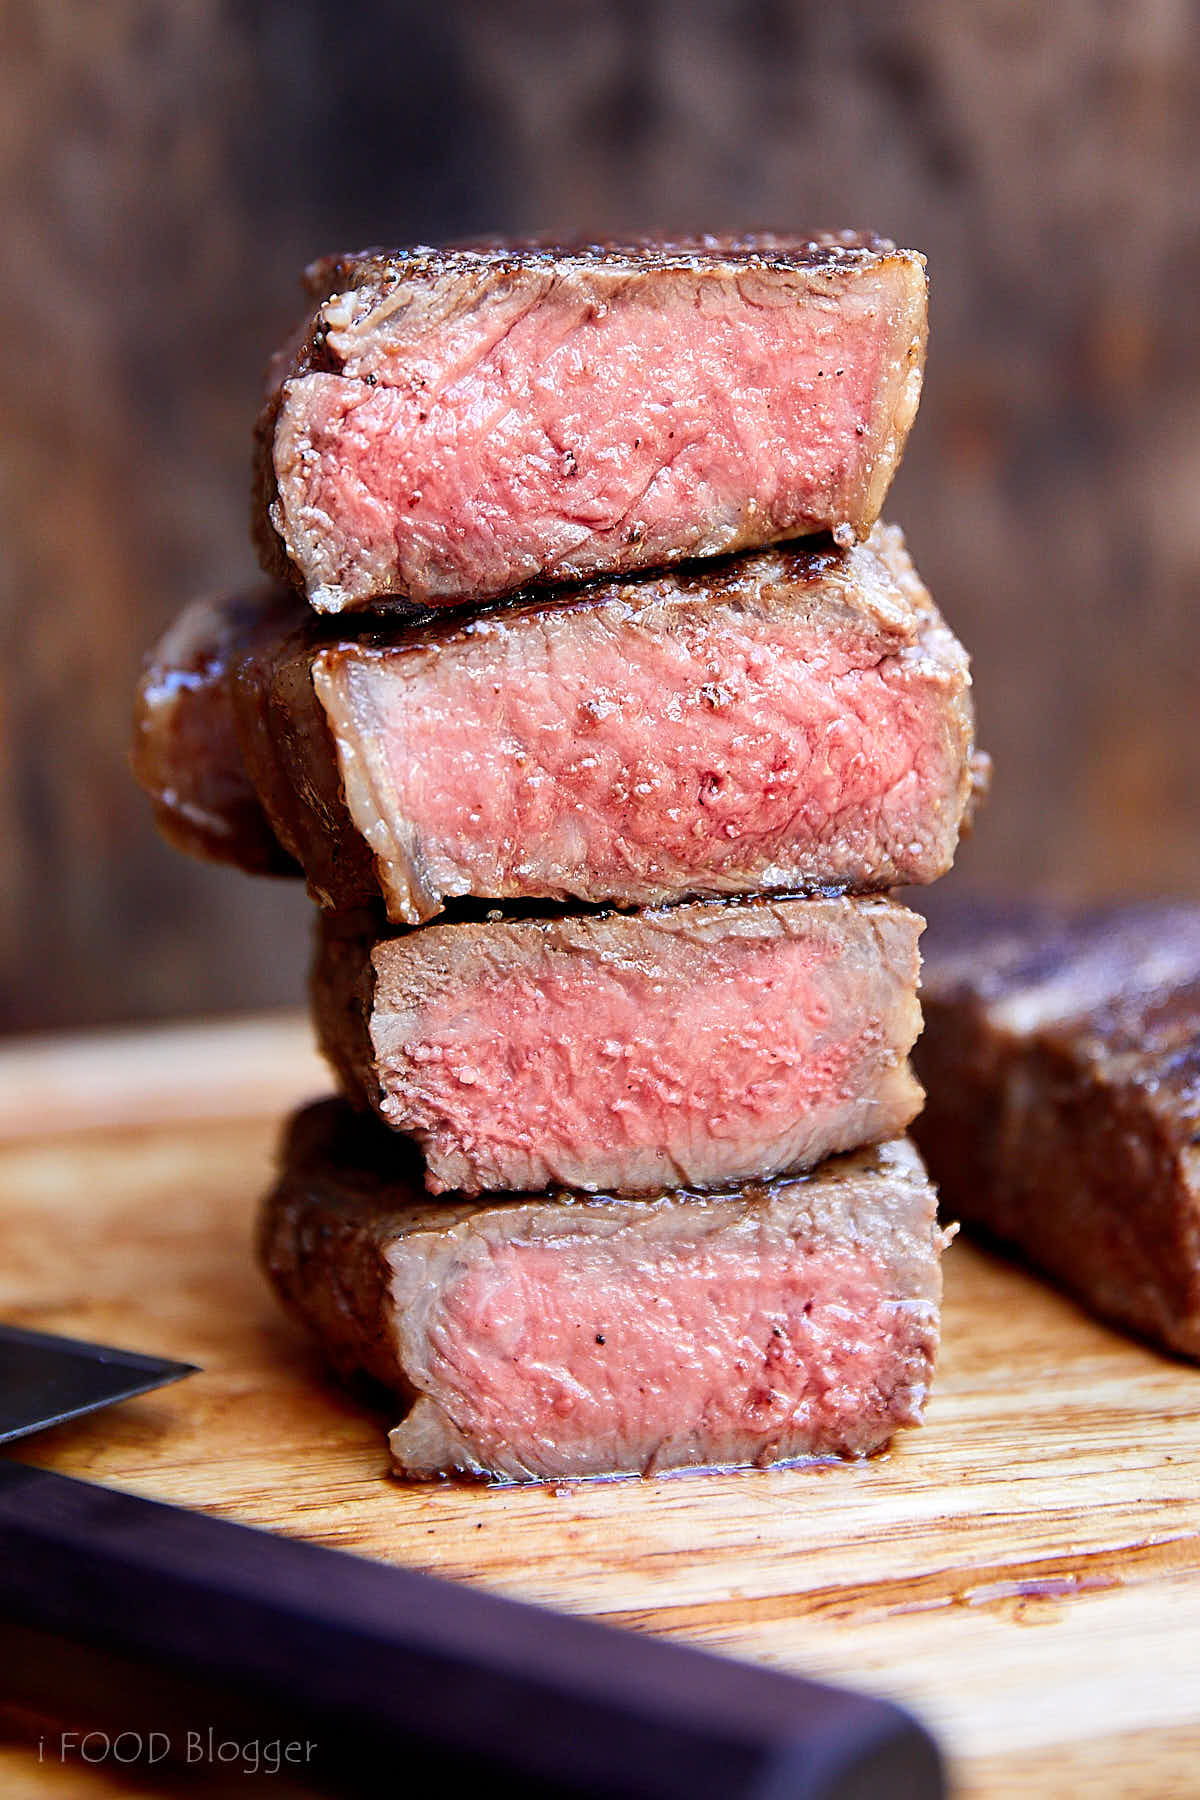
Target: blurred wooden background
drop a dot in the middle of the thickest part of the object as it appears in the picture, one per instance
(167, 166)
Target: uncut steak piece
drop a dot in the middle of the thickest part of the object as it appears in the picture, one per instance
(549, 1337)
(185, 751)
(451, 425)
(690, 1045)
(795, 718)
(1062, 1057)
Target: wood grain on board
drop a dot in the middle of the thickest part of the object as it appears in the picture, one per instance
(1024, 1571)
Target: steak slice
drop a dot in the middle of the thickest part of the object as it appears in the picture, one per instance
(1062, 1057)
(185, 751)
(795, 718)
(693, 1045)
(553, 1337)
(453, 425)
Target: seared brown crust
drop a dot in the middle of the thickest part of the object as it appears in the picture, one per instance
(870, 592)
(822, 249)
(185, 751)
(289, 755)
(323, 1230)
(1061, 1055)
(341, 986)
(347, 1211)
(368, 275)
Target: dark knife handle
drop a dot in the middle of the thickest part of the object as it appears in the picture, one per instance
(126, 1613)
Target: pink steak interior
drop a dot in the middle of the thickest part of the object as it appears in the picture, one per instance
(643, 757)
(543, 1351)
(544, 432)
(594, 1069)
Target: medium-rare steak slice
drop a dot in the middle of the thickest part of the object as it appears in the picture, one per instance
(795, 718)
(1062, 1058)
(691, 1045)
(453, 425)
(185, 751)
(552, 1337)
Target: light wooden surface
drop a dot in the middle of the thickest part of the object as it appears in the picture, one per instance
(1024, 1571)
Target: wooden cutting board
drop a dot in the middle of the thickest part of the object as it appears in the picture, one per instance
(1024, 1571)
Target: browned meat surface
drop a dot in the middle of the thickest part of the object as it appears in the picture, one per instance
(690, 1045)
(1061, 1055)
(453, 425)
(553, 1337)
(185, 747)
(795, 718)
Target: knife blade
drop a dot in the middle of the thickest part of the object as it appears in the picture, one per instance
(45, 1379)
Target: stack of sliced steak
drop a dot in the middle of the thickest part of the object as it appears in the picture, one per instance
(601, 714)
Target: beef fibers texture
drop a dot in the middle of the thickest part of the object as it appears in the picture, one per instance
(692, 1045)
(790, 719)
(453, 425)
(1062, 1058)
(553, 1337)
